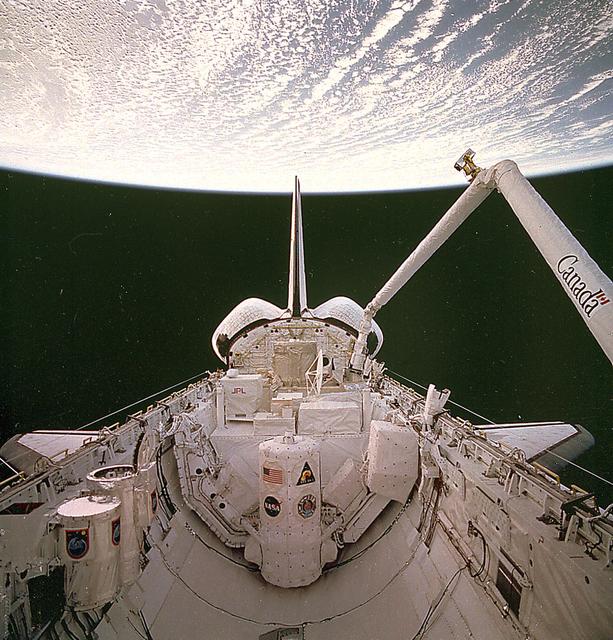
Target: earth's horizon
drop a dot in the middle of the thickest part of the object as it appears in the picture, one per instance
(352, 97)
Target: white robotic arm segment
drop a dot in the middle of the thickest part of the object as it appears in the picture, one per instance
(476, 193)
(588, 287)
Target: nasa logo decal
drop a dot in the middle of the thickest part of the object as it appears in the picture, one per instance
(77, 543)
(272, 506)
(306, 476)
(154, 501)
(116, 531)
(307, 506)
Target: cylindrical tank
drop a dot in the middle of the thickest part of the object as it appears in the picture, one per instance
(118, 481)
(89, 546)
(146, 495)
(290, 510)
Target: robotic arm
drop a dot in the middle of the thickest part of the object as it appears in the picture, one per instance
(588, 287)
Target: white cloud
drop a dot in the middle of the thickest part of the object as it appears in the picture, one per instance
(240, 95)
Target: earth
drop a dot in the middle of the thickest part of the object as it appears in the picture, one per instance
(351, 95)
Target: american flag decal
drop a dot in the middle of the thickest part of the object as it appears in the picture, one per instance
(273, 476)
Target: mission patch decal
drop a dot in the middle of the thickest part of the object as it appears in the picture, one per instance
(307, 506)
(306, 477)
(272, 506)
(116, 531)
(77, 543)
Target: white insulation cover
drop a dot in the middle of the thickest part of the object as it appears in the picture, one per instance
(588, 287)
(435, 401)
(290, 511)
(146, 495)
(242, 395)
(92, 575)
(118, 482)
(292, 359)
(345, 486)
(392, 460)
(350, 312)
(237, 484)
(245, 313)
(328, 416)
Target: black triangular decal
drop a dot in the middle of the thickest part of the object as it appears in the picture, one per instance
(307, 476)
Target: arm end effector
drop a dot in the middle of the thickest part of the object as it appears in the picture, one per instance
(467, 164)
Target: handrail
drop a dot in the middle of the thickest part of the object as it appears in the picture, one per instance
(19, 475)
(548, 472)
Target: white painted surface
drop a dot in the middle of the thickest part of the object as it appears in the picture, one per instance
(56, 444)
(87, 507)
(532, 438)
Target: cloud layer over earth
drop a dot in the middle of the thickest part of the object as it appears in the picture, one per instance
(350, 95)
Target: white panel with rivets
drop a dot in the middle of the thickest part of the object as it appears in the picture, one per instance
(290, 510)
(393, 460)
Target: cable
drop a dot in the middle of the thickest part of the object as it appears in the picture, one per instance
(557, 455)
(424, 509)
(53, 633)
(457, 404)
(109, 415)
(590, 546)
(75, 617)
(433, 607)
(89, 424)
(145, 625)
(276, 623)
(435, 495)
(485, 554)
(373, 543)
(71, 635)
(603, 515)
(433, 517)
(169, 507)
(13, 630)
(91, 620)
(135, 629)
(220, 553)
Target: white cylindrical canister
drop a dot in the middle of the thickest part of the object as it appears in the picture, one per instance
(290, 510)
(118, 481)
(89, 535)
(146, 495)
